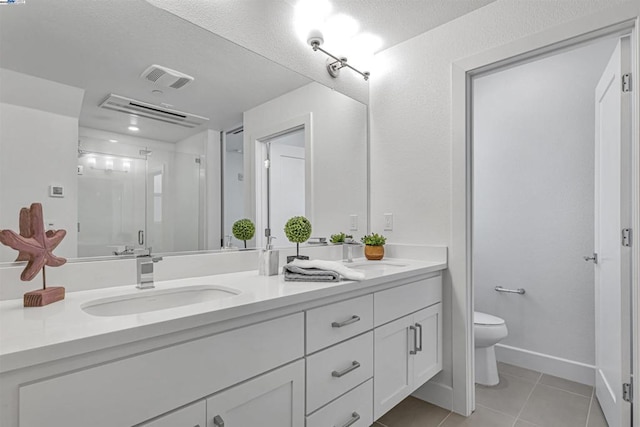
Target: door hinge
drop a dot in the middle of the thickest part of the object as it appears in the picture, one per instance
(627, 392)
(626, 237)
(626, 82)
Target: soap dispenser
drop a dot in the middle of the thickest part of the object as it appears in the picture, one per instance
(269, 260)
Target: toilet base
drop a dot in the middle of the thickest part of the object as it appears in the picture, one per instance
(486, 366)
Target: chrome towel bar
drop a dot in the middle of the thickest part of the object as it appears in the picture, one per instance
(510, 291)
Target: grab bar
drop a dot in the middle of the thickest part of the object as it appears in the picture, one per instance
(510, 291)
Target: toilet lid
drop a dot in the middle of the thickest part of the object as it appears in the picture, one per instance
(480, 318)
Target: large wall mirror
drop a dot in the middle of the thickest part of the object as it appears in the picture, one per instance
(136, 128)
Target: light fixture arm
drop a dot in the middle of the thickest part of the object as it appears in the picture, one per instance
(334, 67)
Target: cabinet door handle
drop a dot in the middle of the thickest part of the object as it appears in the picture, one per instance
(354, 365)
(352, 319)
(415, 340)
(419, 326)
(354, 419)
(218, 421)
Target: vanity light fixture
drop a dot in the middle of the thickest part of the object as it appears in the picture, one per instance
(334, 63)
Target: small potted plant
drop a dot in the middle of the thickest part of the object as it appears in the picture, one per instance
(297, 230)
(374, 246)
(243, 229)
(337, 239)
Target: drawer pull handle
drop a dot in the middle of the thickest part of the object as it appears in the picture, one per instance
(354, 419)
(218, 421)
(419, 326)
(354, 365)
(415, 340)
(352, 319)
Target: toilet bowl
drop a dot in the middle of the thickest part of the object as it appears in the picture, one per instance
(489, 330)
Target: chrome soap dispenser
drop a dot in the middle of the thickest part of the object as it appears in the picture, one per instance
(269, 260)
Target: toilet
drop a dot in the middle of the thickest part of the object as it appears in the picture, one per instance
(489, 330)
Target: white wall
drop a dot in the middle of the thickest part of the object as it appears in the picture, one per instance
(534, 128)
(338, 153)
(411, 133)
(38, 142)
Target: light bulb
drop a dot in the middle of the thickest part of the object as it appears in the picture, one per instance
(310, 16)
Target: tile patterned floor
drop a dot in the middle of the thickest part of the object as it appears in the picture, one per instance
(524, 398)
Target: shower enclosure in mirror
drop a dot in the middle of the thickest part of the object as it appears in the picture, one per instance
(149, 123)
(138, 193)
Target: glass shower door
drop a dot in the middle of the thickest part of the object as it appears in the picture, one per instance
(111, 203)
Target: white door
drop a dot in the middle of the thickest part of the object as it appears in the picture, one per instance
(275, 399)
(612, 214)
(428, 360)
(392, 366)
(287, 184)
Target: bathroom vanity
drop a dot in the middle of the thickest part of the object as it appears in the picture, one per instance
(273, 353)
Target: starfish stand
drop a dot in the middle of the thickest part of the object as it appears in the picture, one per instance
(36, 247)
(43, 296)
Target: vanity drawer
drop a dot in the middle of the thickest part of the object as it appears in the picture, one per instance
(336, 370)
(135, 389)
(397, 302)
(357, 404)
(337, 322)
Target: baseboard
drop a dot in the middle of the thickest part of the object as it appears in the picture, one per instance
(436, 393)
(564, 368)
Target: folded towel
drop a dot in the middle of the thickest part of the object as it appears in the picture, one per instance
(294, 273)
(334, 266)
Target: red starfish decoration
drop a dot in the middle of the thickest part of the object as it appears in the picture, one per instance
(33, 244)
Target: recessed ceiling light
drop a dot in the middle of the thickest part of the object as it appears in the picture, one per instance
(113, 140)
(157, 92)
(134, 128)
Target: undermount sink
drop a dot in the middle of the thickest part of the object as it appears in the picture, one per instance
(152, 300)
(374, 265)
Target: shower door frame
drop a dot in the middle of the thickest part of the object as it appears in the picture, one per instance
(614, 20)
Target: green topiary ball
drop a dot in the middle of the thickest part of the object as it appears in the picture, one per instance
(298, 229)
(243, 229)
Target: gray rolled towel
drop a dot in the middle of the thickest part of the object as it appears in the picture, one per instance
(293, 273)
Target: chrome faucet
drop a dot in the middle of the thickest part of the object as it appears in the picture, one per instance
(144, 267)
(347, 249)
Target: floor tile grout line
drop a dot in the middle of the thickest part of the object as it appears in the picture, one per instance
(445, 419)
(567, 391)
(527, 401)
(494, 410)
(590, 406)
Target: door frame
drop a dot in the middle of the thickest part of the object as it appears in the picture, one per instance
(624, 17)
(254, 196)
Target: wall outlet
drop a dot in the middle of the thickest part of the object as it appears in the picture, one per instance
(353, 222)
(388, 221)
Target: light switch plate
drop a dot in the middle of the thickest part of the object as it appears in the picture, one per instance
(353, 222)
(388, 221)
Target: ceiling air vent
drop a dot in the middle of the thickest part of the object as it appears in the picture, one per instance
(151, 111)
(166, 77)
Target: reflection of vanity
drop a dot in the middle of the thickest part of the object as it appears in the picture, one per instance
(280, 355)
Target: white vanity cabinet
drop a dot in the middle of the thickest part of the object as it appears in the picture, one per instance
(408, 350)
(397, 330)
(132, 390)
(337, 361)
(275, 399)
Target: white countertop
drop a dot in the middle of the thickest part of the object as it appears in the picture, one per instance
(29, 336)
